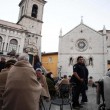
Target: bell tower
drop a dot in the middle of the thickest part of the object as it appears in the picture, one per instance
(30, 17)
(31, 14)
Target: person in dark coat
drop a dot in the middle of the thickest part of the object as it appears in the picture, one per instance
(85, 85)
(77, 80)
(2, 63)
(49, 75)
(51, 84)
(37, 63)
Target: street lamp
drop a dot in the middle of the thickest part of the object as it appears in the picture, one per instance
(59, 71)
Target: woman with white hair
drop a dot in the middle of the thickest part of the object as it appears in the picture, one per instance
(22, 88)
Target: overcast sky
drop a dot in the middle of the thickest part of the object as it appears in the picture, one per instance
(65, 14)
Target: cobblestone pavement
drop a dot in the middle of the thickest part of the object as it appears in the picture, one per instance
(90, 105)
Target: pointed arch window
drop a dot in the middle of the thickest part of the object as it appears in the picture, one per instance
(34, 11)
(13, 45)
(1, 42)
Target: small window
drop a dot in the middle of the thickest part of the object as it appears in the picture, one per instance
(34, 11)
(90, 61)
(50, 59)
(108, 61)
(71, 61)
(106, 37)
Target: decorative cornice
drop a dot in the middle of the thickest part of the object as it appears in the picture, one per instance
(34, 34)
(29, 18)
(12, 28)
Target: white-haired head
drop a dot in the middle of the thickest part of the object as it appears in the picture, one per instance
(39, 69)
(23, 56)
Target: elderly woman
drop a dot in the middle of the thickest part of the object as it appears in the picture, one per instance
(22, 88)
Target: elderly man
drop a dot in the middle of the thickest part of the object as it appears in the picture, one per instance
(43, 82)
(22, 88)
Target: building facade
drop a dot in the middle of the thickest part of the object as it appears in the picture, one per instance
(26, 33)
(84, 41)
(50, 61)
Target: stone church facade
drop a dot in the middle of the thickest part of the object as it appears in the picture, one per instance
(84, 41)
(26, 33)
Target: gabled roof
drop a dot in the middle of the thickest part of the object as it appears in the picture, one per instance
(83, 25)
(11, 25)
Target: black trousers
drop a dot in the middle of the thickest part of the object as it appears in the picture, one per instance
(83, 93)
(76, 90)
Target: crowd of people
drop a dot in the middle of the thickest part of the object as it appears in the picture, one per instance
(25, 85)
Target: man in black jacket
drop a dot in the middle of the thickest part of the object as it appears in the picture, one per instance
(77, 80)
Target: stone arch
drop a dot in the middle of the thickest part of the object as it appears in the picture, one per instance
(34, 11)
(13, 44)
(71, 61)
(91, 61)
